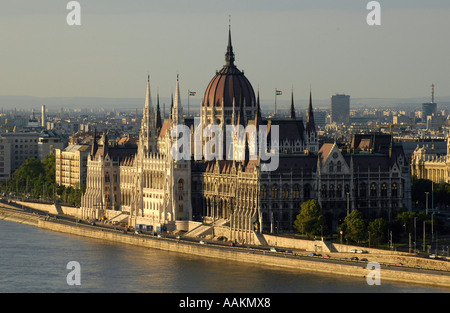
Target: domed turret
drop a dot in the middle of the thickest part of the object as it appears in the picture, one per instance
(229, 89)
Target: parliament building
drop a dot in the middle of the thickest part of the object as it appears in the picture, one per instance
(236, 194)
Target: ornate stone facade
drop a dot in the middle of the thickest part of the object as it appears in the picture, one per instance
(426, 163)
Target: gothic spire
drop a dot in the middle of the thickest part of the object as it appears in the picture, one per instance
(177, 114)
(258, 117)
(148, 132)
(229, 56)
(310, 125)
(148, 99)
(158, 115)
(292, 110)
(246, 151)
(171, 107)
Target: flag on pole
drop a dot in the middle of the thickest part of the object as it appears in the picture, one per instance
(192, 93)
(278, 92)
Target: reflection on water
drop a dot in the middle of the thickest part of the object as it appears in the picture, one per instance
(34, 260)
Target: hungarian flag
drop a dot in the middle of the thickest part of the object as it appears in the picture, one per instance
(192, 93)
(279, 92)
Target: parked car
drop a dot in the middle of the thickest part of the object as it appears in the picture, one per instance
(202, 242)
(354, 258)
(326, 256)
(273, 250)
(312, 254)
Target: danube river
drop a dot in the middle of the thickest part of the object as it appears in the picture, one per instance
(35, 260)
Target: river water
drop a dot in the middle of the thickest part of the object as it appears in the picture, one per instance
(33, 260)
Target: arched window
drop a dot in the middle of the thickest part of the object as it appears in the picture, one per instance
(296, 191)
(394, 190)
(275, 192)
(331, 167)
(331, 191)
(180, 185)
(263, 192)
(373, 190)
(323, 191)
(338, 167)
(285, 192)
(384, 190)
(339, 191)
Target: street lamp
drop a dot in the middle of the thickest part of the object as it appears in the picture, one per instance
(415, 234)
(426, 193)
(348, 203)
(423, 235)
(432, 235)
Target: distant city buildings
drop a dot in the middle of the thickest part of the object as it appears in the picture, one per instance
(320, 118)
(430, 108)
(43, 116)
(436, 121)
(340, 108)
(16, 148)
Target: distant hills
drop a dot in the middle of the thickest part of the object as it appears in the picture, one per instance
(27, 103)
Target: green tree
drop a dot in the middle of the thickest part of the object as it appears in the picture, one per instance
(406, 219)
(378, 230)
(355, 227)
(49, 165)
(419, 187)
(36, 179)
(310, 220)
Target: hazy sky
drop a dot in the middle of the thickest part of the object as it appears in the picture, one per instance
(282, 44)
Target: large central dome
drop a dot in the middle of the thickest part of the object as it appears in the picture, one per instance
(229, 85)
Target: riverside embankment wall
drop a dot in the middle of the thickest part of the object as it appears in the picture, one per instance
(240, 255)
(18, 217)
(343, 251)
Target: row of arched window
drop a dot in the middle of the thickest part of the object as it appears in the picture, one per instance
(332, 191)
(274, 192)
(222, 187)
